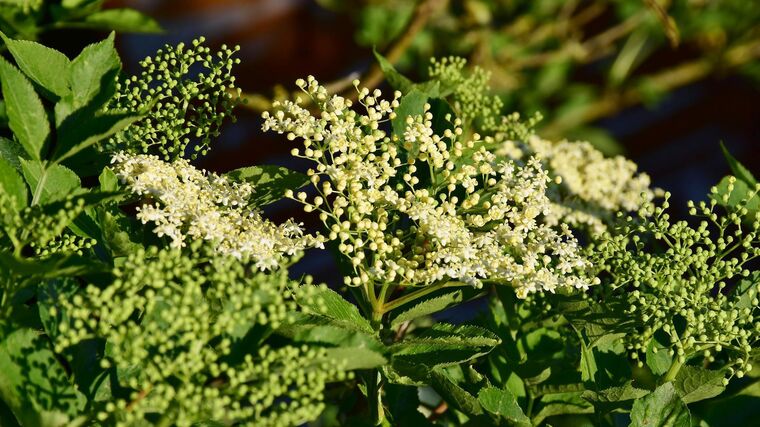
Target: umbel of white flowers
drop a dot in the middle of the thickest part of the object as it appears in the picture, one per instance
(189, 204)
(419, 208)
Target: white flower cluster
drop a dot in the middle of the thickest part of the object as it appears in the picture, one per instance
(190, 203)
(593, 187)
(429, 208)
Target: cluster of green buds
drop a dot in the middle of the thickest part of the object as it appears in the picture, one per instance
(185, 108)
(37, 225)
(178, 327)
(65, 243)
(470, 92)
(698, 289)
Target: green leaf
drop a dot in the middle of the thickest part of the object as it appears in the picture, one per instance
(658, 359)
(269, 181)
(26, 115)
(13, 185)
(75, 135)
(453, 394)
(108, 180)
(12, 152)
(321, 330)
(740, 193)
(426, 307)
(122, 20)
(745, 292)
(32, 382)
(661, 408)
(394, 78)
(49, 184)
(564, 404)
(588, 366)
(694, 383)
(412, 104)
(92, 80)
(737, 168)
(47, 67)
(121, 233)
(443, 345)
(615, 394)
(502, 403)
(323, 301)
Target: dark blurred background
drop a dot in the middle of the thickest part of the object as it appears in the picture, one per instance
(675, 139)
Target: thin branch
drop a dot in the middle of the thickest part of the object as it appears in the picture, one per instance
(664, 81)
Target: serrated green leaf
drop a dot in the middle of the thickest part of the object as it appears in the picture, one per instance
(737, 168)
(661, 408)
(75, 135)
(426, 307)
(325, 302)
(49, 184)
(269, 181)
(12, 184)
(26, 115)
(443, 345)
(12, 152)
(45, 66)
(694, 383)
(615, 394)
(121, 20)
(322, 330)
(32, 382)
(453, 394)
(92, 80)
(503, 404)
(746, 291)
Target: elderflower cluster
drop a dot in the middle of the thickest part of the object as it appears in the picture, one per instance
(592, 187)
(470, 95)
(699, 291)
(186, 106)
(175, 325)
(414, 208)
(188, 203)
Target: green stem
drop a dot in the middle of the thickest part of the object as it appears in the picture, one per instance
(405, 299)
(374, 397)
(673, 371)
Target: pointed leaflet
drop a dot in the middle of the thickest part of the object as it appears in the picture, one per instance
(122, 20)
(49, 184)
(426, 307)
(737, 168)
(92, 78)
(269, 181)
(47, 67)
(12, 184)
(75, 136)
(503, 404)
(325, 302)
(12, 152)
(26, 115)
(661, 408)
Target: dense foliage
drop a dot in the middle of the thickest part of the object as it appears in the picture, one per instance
(137, 289)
